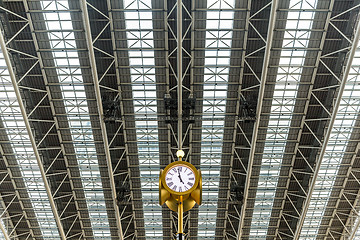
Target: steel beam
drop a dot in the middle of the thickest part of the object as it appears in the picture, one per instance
(236, 125)
(47, 87)
(125, 134)
(265, 66)
(342, 194)
(328, 133)
(95, 76)
(16, 190)
(303, 120)
(30, 134)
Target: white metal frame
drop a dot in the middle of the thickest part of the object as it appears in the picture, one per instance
(328, 132)
(249, 168)
(31, 136)
(95, 76)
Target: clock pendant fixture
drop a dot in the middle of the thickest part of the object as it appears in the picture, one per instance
(180, 181)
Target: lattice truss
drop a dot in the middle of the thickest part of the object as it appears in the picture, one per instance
(88, 115)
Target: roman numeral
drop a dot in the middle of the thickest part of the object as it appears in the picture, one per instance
(186, 188)
(174, 169)
(170, 184)
(168, 179)
(190, 184)
(174, 187)
(185, 170)
(180, 169)
(190, 173)
(191, 178)
(180, 189)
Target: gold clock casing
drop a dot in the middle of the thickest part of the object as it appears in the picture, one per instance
(180, 163)
(171, 198)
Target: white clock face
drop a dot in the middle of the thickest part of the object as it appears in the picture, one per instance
(180, 178)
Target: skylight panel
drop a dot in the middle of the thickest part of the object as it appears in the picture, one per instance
(339, 138)
(14, 125)
(283, 103)
(67, 63)
(217, 64)
(357, 231)
(142, 71)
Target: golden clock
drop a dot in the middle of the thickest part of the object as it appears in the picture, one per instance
(180, 187)
(180, 178)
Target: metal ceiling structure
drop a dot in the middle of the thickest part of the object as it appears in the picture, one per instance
(262, 95)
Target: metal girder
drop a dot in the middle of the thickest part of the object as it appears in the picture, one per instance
(328, 132)
(95, 76)
(353, 205)
(31, 136)
(126, 155)
(17, 194)
(236, 124)
(291, 173)
(56, 122)
(269, 41)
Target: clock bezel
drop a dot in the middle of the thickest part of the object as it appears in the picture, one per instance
(180, 163)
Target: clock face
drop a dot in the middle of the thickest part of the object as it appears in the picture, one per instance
(180, 178)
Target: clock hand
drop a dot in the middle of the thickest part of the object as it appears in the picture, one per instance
(180, 177)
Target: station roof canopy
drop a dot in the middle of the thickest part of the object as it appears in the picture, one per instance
(96, 96)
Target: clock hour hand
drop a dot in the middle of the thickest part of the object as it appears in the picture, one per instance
(180, 176)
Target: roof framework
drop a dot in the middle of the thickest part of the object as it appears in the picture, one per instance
(88, 116)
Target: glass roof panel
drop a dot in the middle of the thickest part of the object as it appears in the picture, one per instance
(72, 87)
(139, 34)
(1, 234)
(357, 233)
(217, 64)
(14, 125)
(284, 98)
(336, 149)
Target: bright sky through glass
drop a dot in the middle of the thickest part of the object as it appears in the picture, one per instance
(139, 35)
(19, 139)
(1, 234)
(357, 234)
(67, 63)
(217, 64)
(287, 82)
